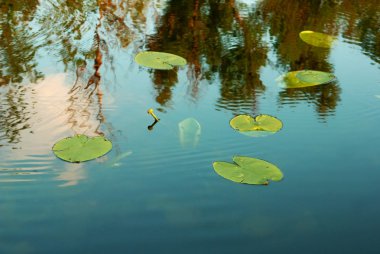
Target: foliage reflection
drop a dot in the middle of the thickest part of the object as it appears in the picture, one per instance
(226, 42)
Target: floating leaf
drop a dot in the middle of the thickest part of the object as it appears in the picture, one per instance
(81, 148)
(189, 132)
(317, 39)
(305, 78)
(248, 170)
(316, 77)
(259, 126)
(159, 60)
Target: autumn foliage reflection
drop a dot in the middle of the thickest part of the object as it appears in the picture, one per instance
(218, 43)
(225, 42)
(284, 26)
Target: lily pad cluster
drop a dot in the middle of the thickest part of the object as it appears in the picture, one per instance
(246, 169)
(306, 78)
(81, 148)
(243, 169)
(255, 171)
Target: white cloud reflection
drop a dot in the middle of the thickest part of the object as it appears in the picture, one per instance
(53, 113)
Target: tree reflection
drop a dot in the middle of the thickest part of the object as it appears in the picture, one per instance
(284, 25)
(175, 34)
(361, 25)
(217, 42)
(76, 33)
(15, 111)
(83, 110)
(17, 46)
(223, 40)
(17, 51)
(242, 60)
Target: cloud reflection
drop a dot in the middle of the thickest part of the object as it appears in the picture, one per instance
(55, 112)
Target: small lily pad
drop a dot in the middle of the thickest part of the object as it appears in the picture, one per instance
(248, 170)
(81, 148)
(305, 78)
(259, 126)
(317, 39)
(159, 60)
(189, 132)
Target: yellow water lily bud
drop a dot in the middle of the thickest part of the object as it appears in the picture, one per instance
(150, 112)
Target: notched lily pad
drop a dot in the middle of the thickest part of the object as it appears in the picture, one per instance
(81, 148)
(159, 60)
(305, 78)
(317, 39)
(248, 170)
(259, 126)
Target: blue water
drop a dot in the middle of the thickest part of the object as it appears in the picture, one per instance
(154, 194)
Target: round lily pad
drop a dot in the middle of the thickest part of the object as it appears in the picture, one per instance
(316, 77)
(317, 39)
(248, 170)
(81, 148)
(306, 78)
(259, 126)
(159, 60)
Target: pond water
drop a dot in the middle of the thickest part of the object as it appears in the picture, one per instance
(67, 67)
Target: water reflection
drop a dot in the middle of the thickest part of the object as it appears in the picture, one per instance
(357, 21)
(218, 42)
(324, 98)
(15, 113)
(17, 45)
(59, 63)
(50, 108)
(226, 43)
(222, 40)
(361, 24)
(227, 40)
(72, 175)
(284, 26)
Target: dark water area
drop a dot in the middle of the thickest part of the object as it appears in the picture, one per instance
(67, 67)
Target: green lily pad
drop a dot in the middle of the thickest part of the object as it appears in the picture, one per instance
(305, 78)
(259, 126)
(189, 132)
(317, 39)
(159, 60)
(248, 170)
(81, 148)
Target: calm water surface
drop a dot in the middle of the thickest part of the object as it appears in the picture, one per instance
(67, 67)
